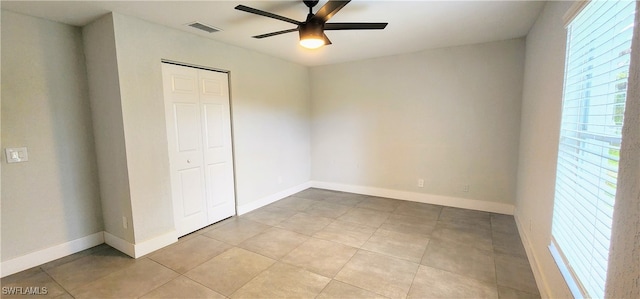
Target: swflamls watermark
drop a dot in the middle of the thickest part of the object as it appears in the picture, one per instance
(24, 291)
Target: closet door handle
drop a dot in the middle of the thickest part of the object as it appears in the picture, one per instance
(188, 161)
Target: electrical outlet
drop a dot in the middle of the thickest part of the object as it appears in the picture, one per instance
(125, 223)
(421, 183)
(16, 155)
(465, 188)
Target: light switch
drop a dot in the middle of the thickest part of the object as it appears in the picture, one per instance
(17, 154)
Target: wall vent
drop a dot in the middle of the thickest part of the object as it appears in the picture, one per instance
(204, 27)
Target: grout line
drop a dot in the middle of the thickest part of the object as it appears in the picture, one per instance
(54, 280)
(495, 266)
(345, 264)
(170, 280)
(324, 288)
(415, 275)
(187, 277)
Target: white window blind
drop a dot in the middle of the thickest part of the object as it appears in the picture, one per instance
(595, 89)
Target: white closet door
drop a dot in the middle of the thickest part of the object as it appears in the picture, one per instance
(199, 141)
(184, 136)
(218, 154)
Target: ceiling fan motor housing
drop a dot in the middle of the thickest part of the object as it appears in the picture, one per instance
(311, 29)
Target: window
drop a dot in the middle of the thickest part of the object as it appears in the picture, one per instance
(595, 89)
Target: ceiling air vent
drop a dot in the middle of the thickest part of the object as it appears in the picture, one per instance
(204, 27)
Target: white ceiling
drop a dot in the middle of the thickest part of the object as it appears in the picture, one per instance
(413, 25)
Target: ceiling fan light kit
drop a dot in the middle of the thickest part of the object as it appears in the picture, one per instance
(312, 29)
(311, 35)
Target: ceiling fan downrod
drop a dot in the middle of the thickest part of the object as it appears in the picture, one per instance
(310, 4)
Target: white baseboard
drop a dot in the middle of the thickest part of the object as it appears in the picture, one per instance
(120, 244)
(46, 255)
(155, 243)
(457, 202)
(40, 257)
(246, 208)
(137, 250)
(140, 249)
(541, 282)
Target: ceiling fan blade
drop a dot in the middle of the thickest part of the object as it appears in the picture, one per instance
(328, 10)
(326, 40)
(266, 14)
(275, 33)
(354, 26)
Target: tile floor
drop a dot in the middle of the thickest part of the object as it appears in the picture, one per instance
(314, 244)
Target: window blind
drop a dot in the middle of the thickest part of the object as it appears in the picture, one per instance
(595, 88)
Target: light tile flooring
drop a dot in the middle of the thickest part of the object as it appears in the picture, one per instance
(315, 244)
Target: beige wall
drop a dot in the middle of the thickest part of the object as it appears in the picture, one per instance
(106, 108)
(46, 108)
(449, 116)
(54, 197)
(539, 136)
(270, 112)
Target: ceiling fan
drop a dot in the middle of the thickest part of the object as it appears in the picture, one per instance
(312, 29)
